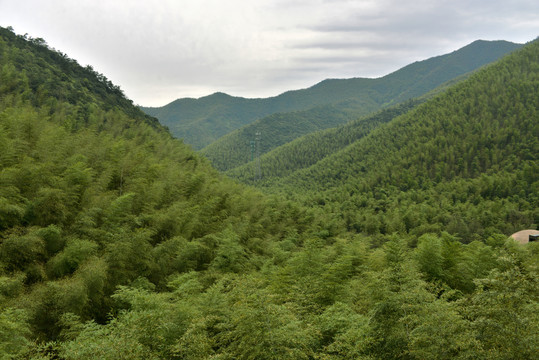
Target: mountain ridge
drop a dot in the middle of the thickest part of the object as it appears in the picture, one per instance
(232, 150)
(202, 121)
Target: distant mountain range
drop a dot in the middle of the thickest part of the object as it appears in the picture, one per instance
(202, 121)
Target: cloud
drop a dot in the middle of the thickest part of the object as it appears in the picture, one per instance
(159, 51)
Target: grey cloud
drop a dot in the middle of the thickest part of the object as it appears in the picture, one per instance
(159, 51)
(430, 16)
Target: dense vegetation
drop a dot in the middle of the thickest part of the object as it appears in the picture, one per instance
(93, 197)
(308, 150)
(119, 242)
(234, 149)
(202, 121)
(465, 162)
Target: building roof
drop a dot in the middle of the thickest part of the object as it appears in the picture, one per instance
(523, 236)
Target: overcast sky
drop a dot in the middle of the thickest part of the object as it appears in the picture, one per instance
(161, 50)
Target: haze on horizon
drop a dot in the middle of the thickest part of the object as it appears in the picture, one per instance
(158, 52)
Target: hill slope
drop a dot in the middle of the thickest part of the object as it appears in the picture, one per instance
(94, 194)
(202, 121)
(313, 147)
(233, 149)
(476, 144)
(309, 149)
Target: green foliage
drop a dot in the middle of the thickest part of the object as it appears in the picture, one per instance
(346, 334)
(52, 235)
(258, 329)
(442, 333)
(69, 259)
(304, 151)
(14, 333)
(504, 311)
(11, 286)
(462, 162)
(115, 341)
(429, 256)
(10, 213)
(230, 256)
(20, 252)
(119, 242)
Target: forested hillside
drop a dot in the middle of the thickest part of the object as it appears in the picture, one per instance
(308, 150)
(119, 242)
(202, 121)
(94, 194)
(234, 149)
(465, 162)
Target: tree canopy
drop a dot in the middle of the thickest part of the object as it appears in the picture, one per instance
(118, 241)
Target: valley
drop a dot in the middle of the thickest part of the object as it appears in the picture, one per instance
(379, 227)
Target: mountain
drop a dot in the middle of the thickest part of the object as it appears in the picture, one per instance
(415, 80)
(457, 162)
(234, 149)
(202, 121)
(307, 150)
